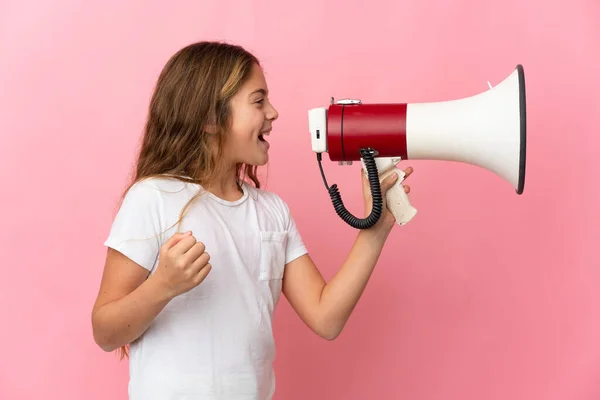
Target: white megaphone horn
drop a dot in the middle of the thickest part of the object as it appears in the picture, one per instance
(487, 130)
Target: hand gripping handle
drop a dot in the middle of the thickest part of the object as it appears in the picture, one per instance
(397, 200)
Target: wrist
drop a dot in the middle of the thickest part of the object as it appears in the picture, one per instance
(160, 288)
(382, 229)
(376, 236)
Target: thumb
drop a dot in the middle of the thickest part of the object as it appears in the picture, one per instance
(388, 182)
(173, 240)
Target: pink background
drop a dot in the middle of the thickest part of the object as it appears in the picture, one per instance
(485, 295)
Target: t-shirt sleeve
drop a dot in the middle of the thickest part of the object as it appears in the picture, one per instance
(295, 245)
(137, 230)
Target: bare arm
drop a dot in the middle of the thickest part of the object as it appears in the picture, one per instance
(127, 302)
(325, 307)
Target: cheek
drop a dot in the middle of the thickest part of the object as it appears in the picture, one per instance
(247, 122)
(252, 123)
(257, 117)
(247, 119)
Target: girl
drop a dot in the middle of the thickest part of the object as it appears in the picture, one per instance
(197, 256)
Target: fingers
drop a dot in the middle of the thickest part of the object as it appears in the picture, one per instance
(388, 182)
(176, 238)
(201, 262)
(407, 172)
(202, 273)
(195, 252)
(184, 245)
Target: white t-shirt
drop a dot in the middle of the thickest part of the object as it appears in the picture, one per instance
(215, 341)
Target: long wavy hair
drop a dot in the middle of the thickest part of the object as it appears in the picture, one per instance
(193, 93)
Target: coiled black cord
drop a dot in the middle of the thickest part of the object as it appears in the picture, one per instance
(373, 177)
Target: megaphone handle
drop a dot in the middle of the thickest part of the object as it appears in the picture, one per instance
(397, 200)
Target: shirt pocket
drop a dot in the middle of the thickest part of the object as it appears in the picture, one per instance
(272, 254)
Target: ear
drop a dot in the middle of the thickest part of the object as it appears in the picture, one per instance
(210, 123)
(210, 126)
(211, 129)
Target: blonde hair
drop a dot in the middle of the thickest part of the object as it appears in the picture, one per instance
(192, 96)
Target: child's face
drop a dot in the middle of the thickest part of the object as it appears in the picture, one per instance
(252, 118)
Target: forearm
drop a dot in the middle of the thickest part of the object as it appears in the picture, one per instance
(120, 322)
(341, 294)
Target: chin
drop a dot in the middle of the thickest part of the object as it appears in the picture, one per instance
(262, 162)
(257, 161)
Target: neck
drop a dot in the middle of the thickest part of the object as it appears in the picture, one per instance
(226, 186)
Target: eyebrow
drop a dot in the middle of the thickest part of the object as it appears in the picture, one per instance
(262, 91)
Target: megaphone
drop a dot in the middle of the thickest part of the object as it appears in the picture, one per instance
(487, 130)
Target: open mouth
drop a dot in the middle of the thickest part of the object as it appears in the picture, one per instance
(262, 135)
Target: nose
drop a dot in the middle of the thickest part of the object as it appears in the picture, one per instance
(272, 114)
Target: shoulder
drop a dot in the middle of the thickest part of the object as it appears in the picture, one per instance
(158, 184)
(154, 197)
(154, 189)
